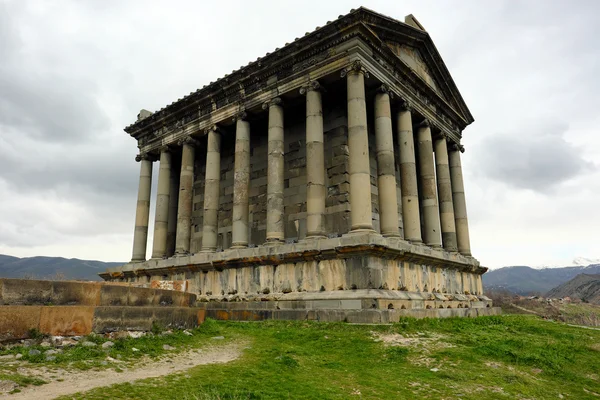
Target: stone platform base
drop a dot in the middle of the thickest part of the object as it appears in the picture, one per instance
(355, 306)
(70, 308)
(17, 321)
(351, 316)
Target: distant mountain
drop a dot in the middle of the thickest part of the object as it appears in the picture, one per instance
(583, 286)
(52, 267)
(526, 280)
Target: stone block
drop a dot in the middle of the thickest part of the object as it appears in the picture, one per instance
(17, 320)
(351, 304)
(66, 320)
(330, 315)
(326, 304)
(136, 319)
(76, 293)
(107, 319)
(114, 295)
(26, 292)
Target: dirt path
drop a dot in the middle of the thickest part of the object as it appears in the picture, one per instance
(81, 381)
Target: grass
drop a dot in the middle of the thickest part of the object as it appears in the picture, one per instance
(502, 357)
(125, 350)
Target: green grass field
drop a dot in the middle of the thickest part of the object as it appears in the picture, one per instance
(503, 357)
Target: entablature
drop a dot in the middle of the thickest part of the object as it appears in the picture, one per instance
(323, 52)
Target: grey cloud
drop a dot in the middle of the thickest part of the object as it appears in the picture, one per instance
(537, 160)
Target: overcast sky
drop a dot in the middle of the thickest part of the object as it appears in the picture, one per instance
(74, 73)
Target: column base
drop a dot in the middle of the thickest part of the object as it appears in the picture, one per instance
(391, 235)
(138, 260)
(273, 242)
(239, 246)
(361, 230)
(435, 246)
(209, 250)
(314, 237)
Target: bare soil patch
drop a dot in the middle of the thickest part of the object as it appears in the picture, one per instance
(65, 382)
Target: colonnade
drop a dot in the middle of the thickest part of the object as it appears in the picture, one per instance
(432, 190)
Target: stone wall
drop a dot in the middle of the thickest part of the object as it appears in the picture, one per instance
(337, 219)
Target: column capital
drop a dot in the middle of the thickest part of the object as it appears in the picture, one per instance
(442, 135)
(355, 68)
(385, 89)
(311, 86)
(273, 102)
(424, 124)
(457, 147)
(145, 157)
(187, 140)
(213, 128)
(165, 148)
(240, 115)
(405, 106)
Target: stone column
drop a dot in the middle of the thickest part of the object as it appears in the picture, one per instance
(142, 211)
(163, 193)
(386, 171)
(241, 183)
(186, 186)
(458, 200)
(445, 193)
(315, 162)
(173, 200)
(358, 145)
(408, 177)
(212, 183)
(275, 170)
(431, 212)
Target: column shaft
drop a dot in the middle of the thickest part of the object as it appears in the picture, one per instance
(408, 178)
(241, 184)
(212, 182)
(358, 146)
(142, 212)
(163, 193)
(184, 208)
(315, 162)
(459, 202)
(275, 172)
(386, 171)
(429, 204)
(173, 200)
(445, 194)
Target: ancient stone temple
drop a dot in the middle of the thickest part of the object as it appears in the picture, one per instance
(321, 181)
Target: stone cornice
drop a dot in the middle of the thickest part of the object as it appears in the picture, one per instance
(302, 54)
(337, 248)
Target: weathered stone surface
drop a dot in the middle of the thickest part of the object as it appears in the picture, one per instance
(313, 205)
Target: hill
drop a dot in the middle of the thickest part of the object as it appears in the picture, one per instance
(583, 286)
(52, 267)
(526, 280)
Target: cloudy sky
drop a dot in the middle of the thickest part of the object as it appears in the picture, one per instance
(74, 73)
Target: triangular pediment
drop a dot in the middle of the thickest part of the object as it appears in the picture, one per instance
(411, 56)
(411, 43)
